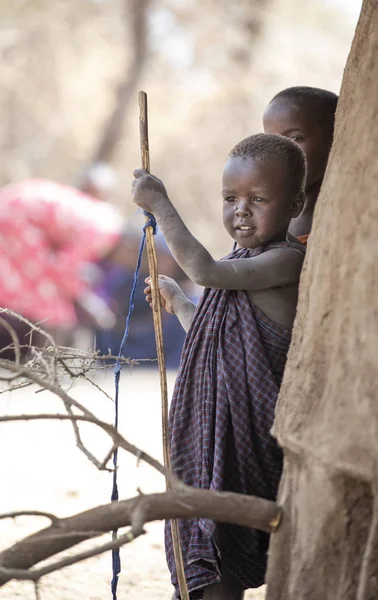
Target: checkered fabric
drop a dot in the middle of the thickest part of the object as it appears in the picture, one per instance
(220, 420)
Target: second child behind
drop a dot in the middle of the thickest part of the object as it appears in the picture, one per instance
(234, 354)
(306, 115)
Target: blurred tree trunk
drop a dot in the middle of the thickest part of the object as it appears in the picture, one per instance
(327, 415)
(136, 27)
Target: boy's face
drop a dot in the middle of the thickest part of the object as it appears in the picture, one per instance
(257, 206)
(285, 116)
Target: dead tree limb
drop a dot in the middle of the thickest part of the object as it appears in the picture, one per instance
(118, 441)
(181, 503)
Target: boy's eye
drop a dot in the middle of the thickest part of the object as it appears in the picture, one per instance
(297, 138)
(258, 199)
(230, 199)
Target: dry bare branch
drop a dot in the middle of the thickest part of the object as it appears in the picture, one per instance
(29, 513)
(36, 590)
(101, 465)
(16, 344)
(119, 441)
(181, 503)
(43, 373)
(36, 574)
(33, 326)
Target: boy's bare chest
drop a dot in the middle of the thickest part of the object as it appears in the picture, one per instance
(278, 304)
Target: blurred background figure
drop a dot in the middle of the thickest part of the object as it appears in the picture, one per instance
(67, 260)
(51, 239)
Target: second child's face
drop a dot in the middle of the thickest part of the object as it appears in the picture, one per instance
(257, 206)
(292, 119)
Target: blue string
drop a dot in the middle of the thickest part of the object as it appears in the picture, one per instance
(116, 560)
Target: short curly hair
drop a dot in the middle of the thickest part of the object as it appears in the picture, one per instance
(322, 101)
(272, 148)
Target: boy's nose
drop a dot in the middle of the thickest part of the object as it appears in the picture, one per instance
(243, 209)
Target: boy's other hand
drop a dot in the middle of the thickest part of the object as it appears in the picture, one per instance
(147, 190)
(170, 293)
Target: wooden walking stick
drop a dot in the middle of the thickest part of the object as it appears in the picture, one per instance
(156, 312)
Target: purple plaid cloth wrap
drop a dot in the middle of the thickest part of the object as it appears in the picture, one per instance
(220, 419)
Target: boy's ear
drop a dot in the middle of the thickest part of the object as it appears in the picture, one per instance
(298, 204)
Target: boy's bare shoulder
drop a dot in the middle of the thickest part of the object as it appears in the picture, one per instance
(284, 251)
(280, 263)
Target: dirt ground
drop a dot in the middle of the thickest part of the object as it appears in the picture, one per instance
(41, 469)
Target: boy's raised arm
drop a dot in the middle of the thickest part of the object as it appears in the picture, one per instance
(274, 268)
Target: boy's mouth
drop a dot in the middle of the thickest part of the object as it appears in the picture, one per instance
(245, 228)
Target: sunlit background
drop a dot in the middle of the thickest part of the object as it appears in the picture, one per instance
(209, 67)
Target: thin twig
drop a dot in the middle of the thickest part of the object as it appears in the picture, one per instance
(50, 369)
(29, 513)
(16, 346)
(36, 574)
(15, 339)
(23, 371)
(33, 326)
(95, 385)
(119, 441)
(103, 464)
(38, 377)
(37, 591)
(18, 386)
(80, 444)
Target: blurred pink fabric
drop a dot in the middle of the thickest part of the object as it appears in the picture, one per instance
(49, 234)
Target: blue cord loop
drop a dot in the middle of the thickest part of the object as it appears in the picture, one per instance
(116, 559)
(151, 221)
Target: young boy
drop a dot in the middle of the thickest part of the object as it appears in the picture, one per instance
(307, 116)
(234, 353)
